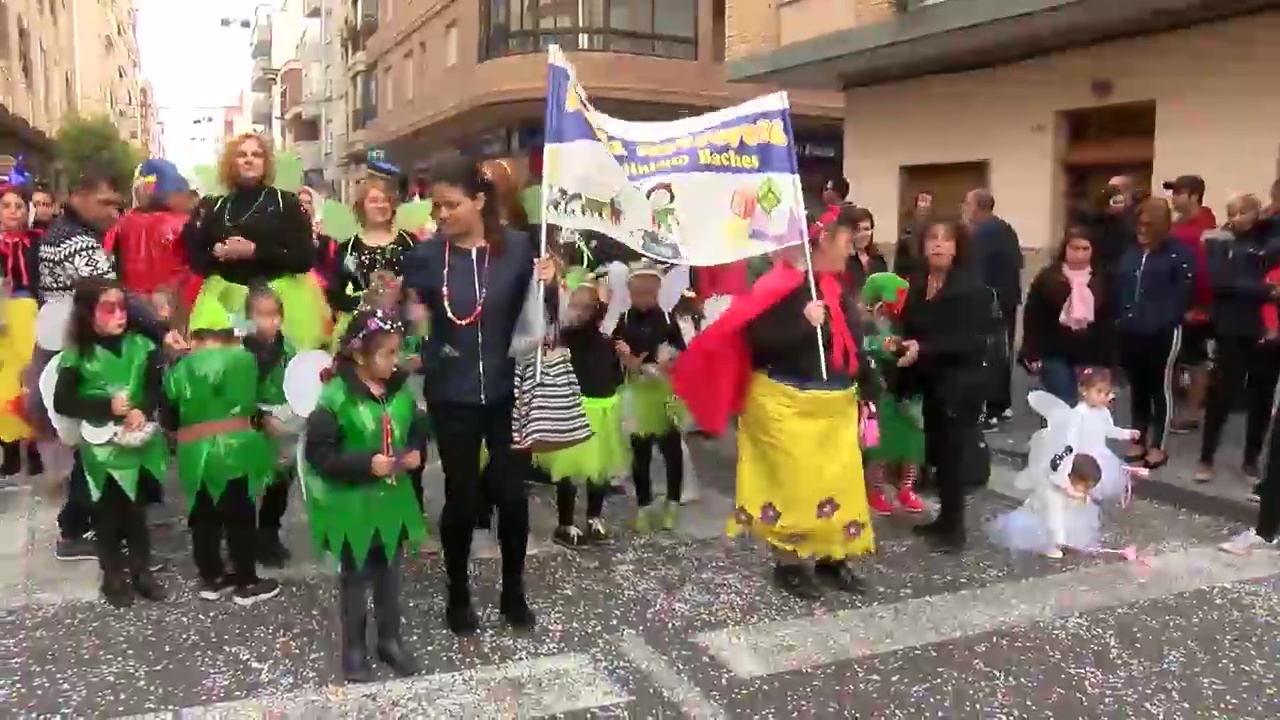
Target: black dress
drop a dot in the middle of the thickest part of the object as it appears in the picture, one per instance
(273, 220)
(356, 262)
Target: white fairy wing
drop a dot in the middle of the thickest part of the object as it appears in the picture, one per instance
(674, 283)
(302, 382)
(1047, 405)
(68, 430)
(714, 307)
(619, 296)
(51, 324)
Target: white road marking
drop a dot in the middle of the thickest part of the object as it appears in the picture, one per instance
(524, 689)
(785, 646)
(693, 703)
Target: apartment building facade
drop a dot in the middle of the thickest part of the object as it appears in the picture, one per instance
(1042, 101)
(430, 78)
(62, 57)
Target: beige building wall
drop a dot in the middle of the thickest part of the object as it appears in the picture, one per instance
(1215, 116)
(755, 26)
(36, 62)
(105, 48)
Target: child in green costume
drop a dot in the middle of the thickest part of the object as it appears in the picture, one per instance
(109, 377)
(272, 351)
(363, 439)
(901, 419)
(211, 400)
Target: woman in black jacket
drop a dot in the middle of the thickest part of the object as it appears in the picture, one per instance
(949, 321)
(1067, 321)
(865, 260)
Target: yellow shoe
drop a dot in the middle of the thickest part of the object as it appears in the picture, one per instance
(644, 523)
(670, 516)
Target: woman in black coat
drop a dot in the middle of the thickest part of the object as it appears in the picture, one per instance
(865, 260)
(949, 322)
(1067, 321)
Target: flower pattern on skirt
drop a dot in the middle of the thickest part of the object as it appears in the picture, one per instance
(743, 517)
(828, 508)
(769, 514)
(854, 529)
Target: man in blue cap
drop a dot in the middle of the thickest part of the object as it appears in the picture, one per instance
(149, 255)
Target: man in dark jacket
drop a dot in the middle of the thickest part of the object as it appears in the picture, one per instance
(996, 255)
(1111, 222)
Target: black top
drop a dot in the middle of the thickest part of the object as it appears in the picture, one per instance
(856, 273)
(595, 362)
(644, 331)
(785, 345)
(1044, 335)
(267, 354)
(325, 450)
(996, 254)
(273, 220)
(1237, 274)
(69, 402)
(952, 329)
(355, 262)
(908, 255)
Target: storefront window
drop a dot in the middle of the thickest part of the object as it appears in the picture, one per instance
(665, 28)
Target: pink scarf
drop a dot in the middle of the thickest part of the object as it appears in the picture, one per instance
(1077, 312)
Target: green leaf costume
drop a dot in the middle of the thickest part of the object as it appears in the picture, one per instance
(104, 374)
(365, 513)
(271, 395)
(901, 419)
(213, 385)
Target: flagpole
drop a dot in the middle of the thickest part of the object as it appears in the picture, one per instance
(813, 285)
(542, 239)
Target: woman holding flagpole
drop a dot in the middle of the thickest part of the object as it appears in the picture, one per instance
(798, 414)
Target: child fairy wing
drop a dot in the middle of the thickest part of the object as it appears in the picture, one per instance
(1048, 406)
(619, 295)
(674, 283)
(288, 172)
(413, 216)
(337, 220)
(303, 380)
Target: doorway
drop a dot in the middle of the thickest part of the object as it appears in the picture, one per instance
(948, 184)
(1103, 142)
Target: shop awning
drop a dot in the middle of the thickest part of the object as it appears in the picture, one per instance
(945, 36)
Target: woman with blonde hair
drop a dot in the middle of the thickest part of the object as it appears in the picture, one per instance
(256, 233)
(378, 247)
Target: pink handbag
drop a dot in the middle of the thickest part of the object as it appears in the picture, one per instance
(869, 426)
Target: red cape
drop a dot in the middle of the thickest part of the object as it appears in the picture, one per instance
(711, 377)
(151, 254)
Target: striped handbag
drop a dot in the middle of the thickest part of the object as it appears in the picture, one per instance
(548, 412)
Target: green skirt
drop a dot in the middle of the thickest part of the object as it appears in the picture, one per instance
(306, 313)
(597, 461)
(901, 434)
(648, 406)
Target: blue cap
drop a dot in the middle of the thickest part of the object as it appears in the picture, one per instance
(162, 176)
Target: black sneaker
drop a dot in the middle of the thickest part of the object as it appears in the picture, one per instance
(598, 533)
(1255, 494)
(515, 611)
(81, 548)
(148, 588)
(215, 589)
(570, 537)
(989, 423)
(117, 591)
(263, 589)
(271, 552)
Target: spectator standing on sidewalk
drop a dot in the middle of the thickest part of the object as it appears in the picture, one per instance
(1238, 260)
(1191, 221)
(866, 259)
(1111, 223)
(908, 255)
(1067, 322)
(1153, 289)
(996, 255)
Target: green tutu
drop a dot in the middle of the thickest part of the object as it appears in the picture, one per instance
(305, 314)
(648, 405)
(597, 461)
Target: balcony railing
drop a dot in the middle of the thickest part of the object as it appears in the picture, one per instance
(502, 42)
(362, 116)
(263, 75)
(665, 29)
(260, 45)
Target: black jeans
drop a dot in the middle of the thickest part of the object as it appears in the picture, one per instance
(460, 429)
(76, 516)
(275, 501)
(1148, 361)
(567, 500)
(1239, 358)
(120, 523)
(642, 459)
(1001, 398)
(957, 457)
(380, 575)
(15, 452)
(233, 516)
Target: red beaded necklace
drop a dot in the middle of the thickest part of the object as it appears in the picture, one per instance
(483, 283)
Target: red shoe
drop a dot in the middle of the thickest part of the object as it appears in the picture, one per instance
(877, 502)
(909, 501)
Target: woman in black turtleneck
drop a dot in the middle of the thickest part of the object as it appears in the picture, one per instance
(256, 233)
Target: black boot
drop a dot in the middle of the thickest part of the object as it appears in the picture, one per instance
(515, 610)
(459, 613)
(354, 615)
(386, 612)
(35, 464)
(115, 588)
(838, 575)
(796, 580)
(146, 585)
(12, 461)
(271, 552)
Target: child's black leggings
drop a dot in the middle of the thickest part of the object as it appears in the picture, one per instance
(567, 497)
(275, 501)
(120, 522)
(380, 575)
(1148, 361)
(672, 457)
(233, 516)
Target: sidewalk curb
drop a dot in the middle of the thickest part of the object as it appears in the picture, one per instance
(1156, 491)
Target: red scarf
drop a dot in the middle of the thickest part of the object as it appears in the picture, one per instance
(844, 351)
(13, 246)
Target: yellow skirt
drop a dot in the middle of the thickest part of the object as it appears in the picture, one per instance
(800, 483)
(306, 310)
(17, 341)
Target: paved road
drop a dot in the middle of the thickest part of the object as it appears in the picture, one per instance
(678, 625)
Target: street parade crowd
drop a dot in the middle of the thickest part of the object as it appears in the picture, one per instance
(226, 343)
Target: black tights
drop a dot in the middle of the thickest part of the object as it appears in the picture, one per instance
(275, 502)
(567, 498)
(1239, 358)
(1148, 361)
(14, 453)
(380, 575)
(460, 430)
(672, 457)
(120, 529)
(232, 516)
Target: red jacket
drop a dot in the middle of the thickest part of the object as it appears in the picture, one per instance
(1188, 232)
(712, 375)
(150, 254)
